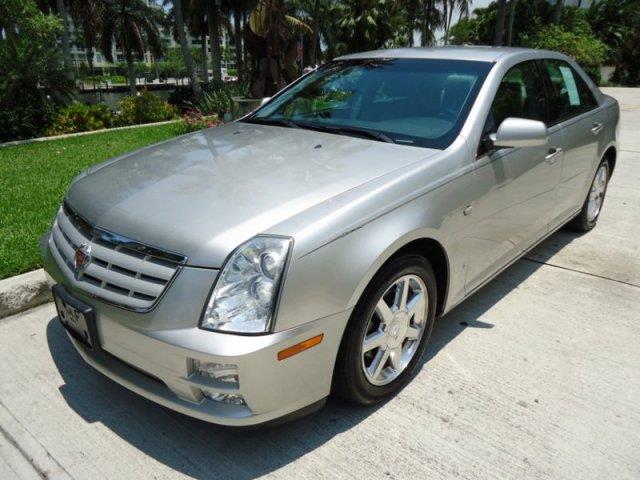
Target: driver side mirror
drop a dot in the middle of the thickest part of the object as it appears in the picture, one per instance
(520, 132)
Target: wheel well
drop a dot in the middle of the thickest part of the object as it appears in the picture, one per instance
(433, 251)
(611, 155)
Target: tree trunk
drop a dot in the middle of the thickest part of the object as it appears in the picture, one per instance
(205, 68)
(512, 15)
(498, 32)
(132, 73)
(426, 24)
(66, 46)
(450, 18)
(237, 34)
(445, 11)
(557, 11)
(186, 53)
(316, 32)
(213, 23)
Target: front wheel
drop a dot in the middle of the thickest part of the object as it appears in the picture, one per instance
(388, 331)
(588, 216)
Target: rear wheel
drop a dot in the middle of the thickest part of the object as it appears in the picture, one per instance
(388, 331)
(588, 216)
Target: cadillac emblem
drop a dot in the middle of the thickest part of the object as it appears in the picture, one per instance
(82, 258)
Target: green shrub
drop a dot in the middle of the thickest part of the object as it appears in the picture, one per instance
(195, 120)
(215, 102)
(33, 82)
(579, 43)
(79, 117)
(27, 119)
(144, 108)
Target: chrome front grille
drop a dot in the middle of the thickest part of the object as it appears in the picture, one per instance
(120, 270)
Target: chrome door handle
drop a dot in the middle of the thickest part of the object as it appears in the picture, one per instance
(552, 156)
(597, 128)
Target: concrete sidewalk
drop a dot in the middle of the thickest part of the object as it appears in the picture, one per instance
(536, 376)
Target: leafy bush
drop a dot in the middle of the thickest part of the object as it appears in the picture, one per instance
(579, 43)
(144, 108)
(194, 120)
(216, 102)
(216, 97)
(33, 83)
(27, 119)
(180, 97)
(79, 117)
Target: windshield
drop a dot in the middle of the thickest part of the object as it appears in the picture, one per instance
(418, 102)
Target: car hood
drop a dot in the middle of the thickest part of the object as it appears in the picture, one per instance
(203, 194)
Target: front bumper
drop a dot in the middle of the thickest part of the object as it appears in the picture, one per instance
(153, 354)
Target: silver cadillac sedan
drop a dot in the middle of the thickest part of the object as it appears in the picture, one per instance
(244, 273)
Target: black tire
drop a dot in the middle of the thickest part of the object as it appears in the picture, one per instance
(349, 380)
(581, 222)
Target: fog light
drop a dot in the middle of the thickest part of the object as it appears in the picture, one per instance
(224, 372)
(232, 398)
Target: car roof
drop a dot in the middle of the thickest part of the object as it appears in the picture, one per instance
(449, 52)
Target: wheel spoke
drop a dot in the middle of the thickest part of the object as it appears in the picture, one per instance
(383, 311)
(412, 333)
(396, 358)
(378, 363)
(416, 307)
(401, 295)
(373, 340)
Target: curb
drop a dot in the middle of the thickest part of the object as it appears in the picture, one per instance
(22, 292)
(80, 134)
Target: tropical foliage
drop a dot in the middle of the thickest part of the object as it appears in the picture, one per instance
(272, 40)
(33, 82)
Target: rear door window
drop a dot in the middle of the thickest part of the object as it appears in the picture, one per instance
(569, 94)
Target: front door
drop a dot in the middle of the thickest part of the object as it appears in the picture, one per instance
(515, 187)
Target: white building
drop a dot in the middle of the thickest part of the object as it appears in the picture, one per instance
(79, 54)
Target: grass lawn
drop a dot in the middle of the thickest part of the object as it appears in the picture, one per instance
(34, 179)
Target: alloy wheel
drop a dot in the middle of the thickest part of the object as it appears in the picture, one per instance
(596, 195)
(394, 330)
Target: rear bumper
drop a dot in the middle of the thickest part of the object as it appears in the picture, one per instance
(153, 354)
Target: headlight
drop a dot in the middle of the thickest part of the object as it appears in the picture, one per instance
(246, 290)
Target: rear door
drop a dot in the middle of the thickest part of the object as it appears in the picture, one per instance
(574, 109)
(516, 186)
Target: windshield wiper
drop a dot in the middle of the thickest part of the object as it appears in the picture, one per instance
(280, 122)
(340, 129)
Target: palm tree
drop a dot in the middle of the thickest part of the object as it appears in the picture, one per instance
(213, 23)
(430, 21)
(498, 31)
(237, 9)
(512, 16)
(196, 23)
(463, 6)
(411, 7)
(66, 45)
(85, 20)
(368, 24)
(316, 32)
(272, 38)
(184, 45)
(557, 11)
(133, 26)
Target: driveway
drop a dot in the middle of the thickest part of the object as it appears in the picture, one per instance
(535, 376)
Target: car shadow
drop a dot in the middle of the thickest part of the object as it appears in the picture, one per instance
(205, 451)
